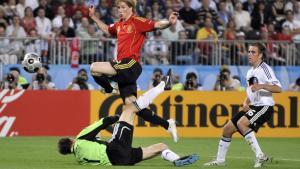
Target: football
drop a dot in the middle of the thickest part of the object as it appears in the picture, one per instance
(32, 62)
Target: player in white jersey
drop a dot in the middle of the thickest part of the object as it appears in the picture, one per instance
(257, 107)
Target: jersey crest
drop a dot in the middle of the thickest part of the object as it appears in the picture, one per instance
(253, 80)
(129, 29)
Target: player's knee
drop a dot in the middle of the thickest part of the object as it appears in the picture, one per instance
(162, 146)
(130, 99)
(127, 101)
(242, 124)
(92, 67)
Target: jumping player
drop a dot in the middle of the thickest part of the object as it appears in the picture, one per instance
(126, 69)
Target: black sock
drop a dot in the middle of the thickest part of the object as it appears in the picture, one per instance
(151, 117)
(103, 82)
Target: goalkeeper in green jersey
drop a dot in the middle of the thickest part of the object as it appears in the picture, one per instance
(88, 149)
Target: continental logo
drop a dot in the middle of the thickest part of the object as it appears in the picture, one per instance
(206, 110)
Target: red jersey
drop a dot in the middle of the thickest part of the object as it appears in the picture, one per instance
(131, 35)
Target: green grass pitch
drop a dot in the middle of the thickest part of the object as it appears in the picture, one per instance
(41, 153)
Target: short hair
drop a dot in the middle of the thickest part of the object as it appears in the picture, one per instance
(289, 11)
(2, 25)
(65, 17)
(65, 146)
(157, 32)
(157, 70)
(261, 48)
(41, 8)
(82, 70)
(16, 16)
(298, 81)
(130, 3)
(46, 67)
(225, 69)
(191, 75)
(15, 69)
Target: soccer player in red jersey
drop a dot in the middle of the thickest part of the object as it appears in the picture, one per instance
(130, 32)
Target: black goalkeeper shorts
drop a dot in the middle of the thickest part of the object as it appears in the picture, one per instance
(119, 149)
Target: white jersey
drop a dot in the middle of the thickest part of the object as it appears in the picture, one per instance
(263, 74)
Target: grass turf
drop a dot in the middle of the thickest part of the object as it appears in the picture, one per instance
(41, 153)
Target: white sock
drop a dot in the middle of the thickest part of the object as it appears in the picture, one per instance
(148, 97)
(169, 155)
(251, 140)
(223, 148)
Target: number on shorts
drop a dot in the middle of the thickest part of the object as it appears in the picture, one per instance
(250, 112)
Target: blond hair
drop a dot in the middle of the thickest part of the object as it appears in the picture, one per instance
(130, 3)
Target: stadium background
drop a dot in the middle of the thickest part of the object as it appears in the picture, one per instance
(28, 118)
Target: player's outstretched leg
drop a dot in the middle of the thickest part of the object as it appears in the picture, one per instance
(169, 125)
(151, 117)
(148, 115)
(168, 155)
(141, 102)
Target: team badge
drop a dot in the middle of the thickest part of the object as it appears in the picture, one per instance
(253, 80)
(129, 29)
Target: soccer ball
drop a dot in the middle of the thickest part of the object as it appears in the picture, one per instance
(31, 63)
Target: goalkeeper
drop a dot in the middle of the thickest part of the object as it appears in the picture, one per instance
(118, 150)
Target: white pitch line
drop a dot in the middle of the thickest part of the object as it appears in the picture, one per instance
(274, 158)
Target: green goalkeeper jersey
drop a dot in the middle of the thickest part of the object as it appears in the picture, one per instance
(90, 150)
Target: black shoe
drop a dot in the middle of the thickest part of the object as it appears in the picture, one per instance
(167, 79)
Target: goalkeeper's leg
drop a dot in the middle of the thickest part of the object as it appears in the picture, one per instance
(141, 103)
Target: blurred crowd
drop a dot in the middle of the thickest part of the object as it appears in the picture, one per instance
(212, 20)
(43, 81)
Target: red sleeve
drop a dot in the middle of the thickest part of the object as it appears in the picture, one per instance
(112, 29)
(143, 24)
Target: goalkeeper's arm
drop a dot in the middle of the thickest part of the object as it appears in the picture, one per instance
(90, 132)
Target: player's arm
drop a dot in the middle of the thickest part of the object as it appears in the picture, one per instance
(269, 87)
(246, 104)
(272, 85)
(162, 24)
(90, 132)
(99, 23)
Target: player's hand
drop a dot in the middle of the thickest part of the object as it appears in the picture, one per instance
(255, 87)
(91, 11)
(246, 107)
(173, 17)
